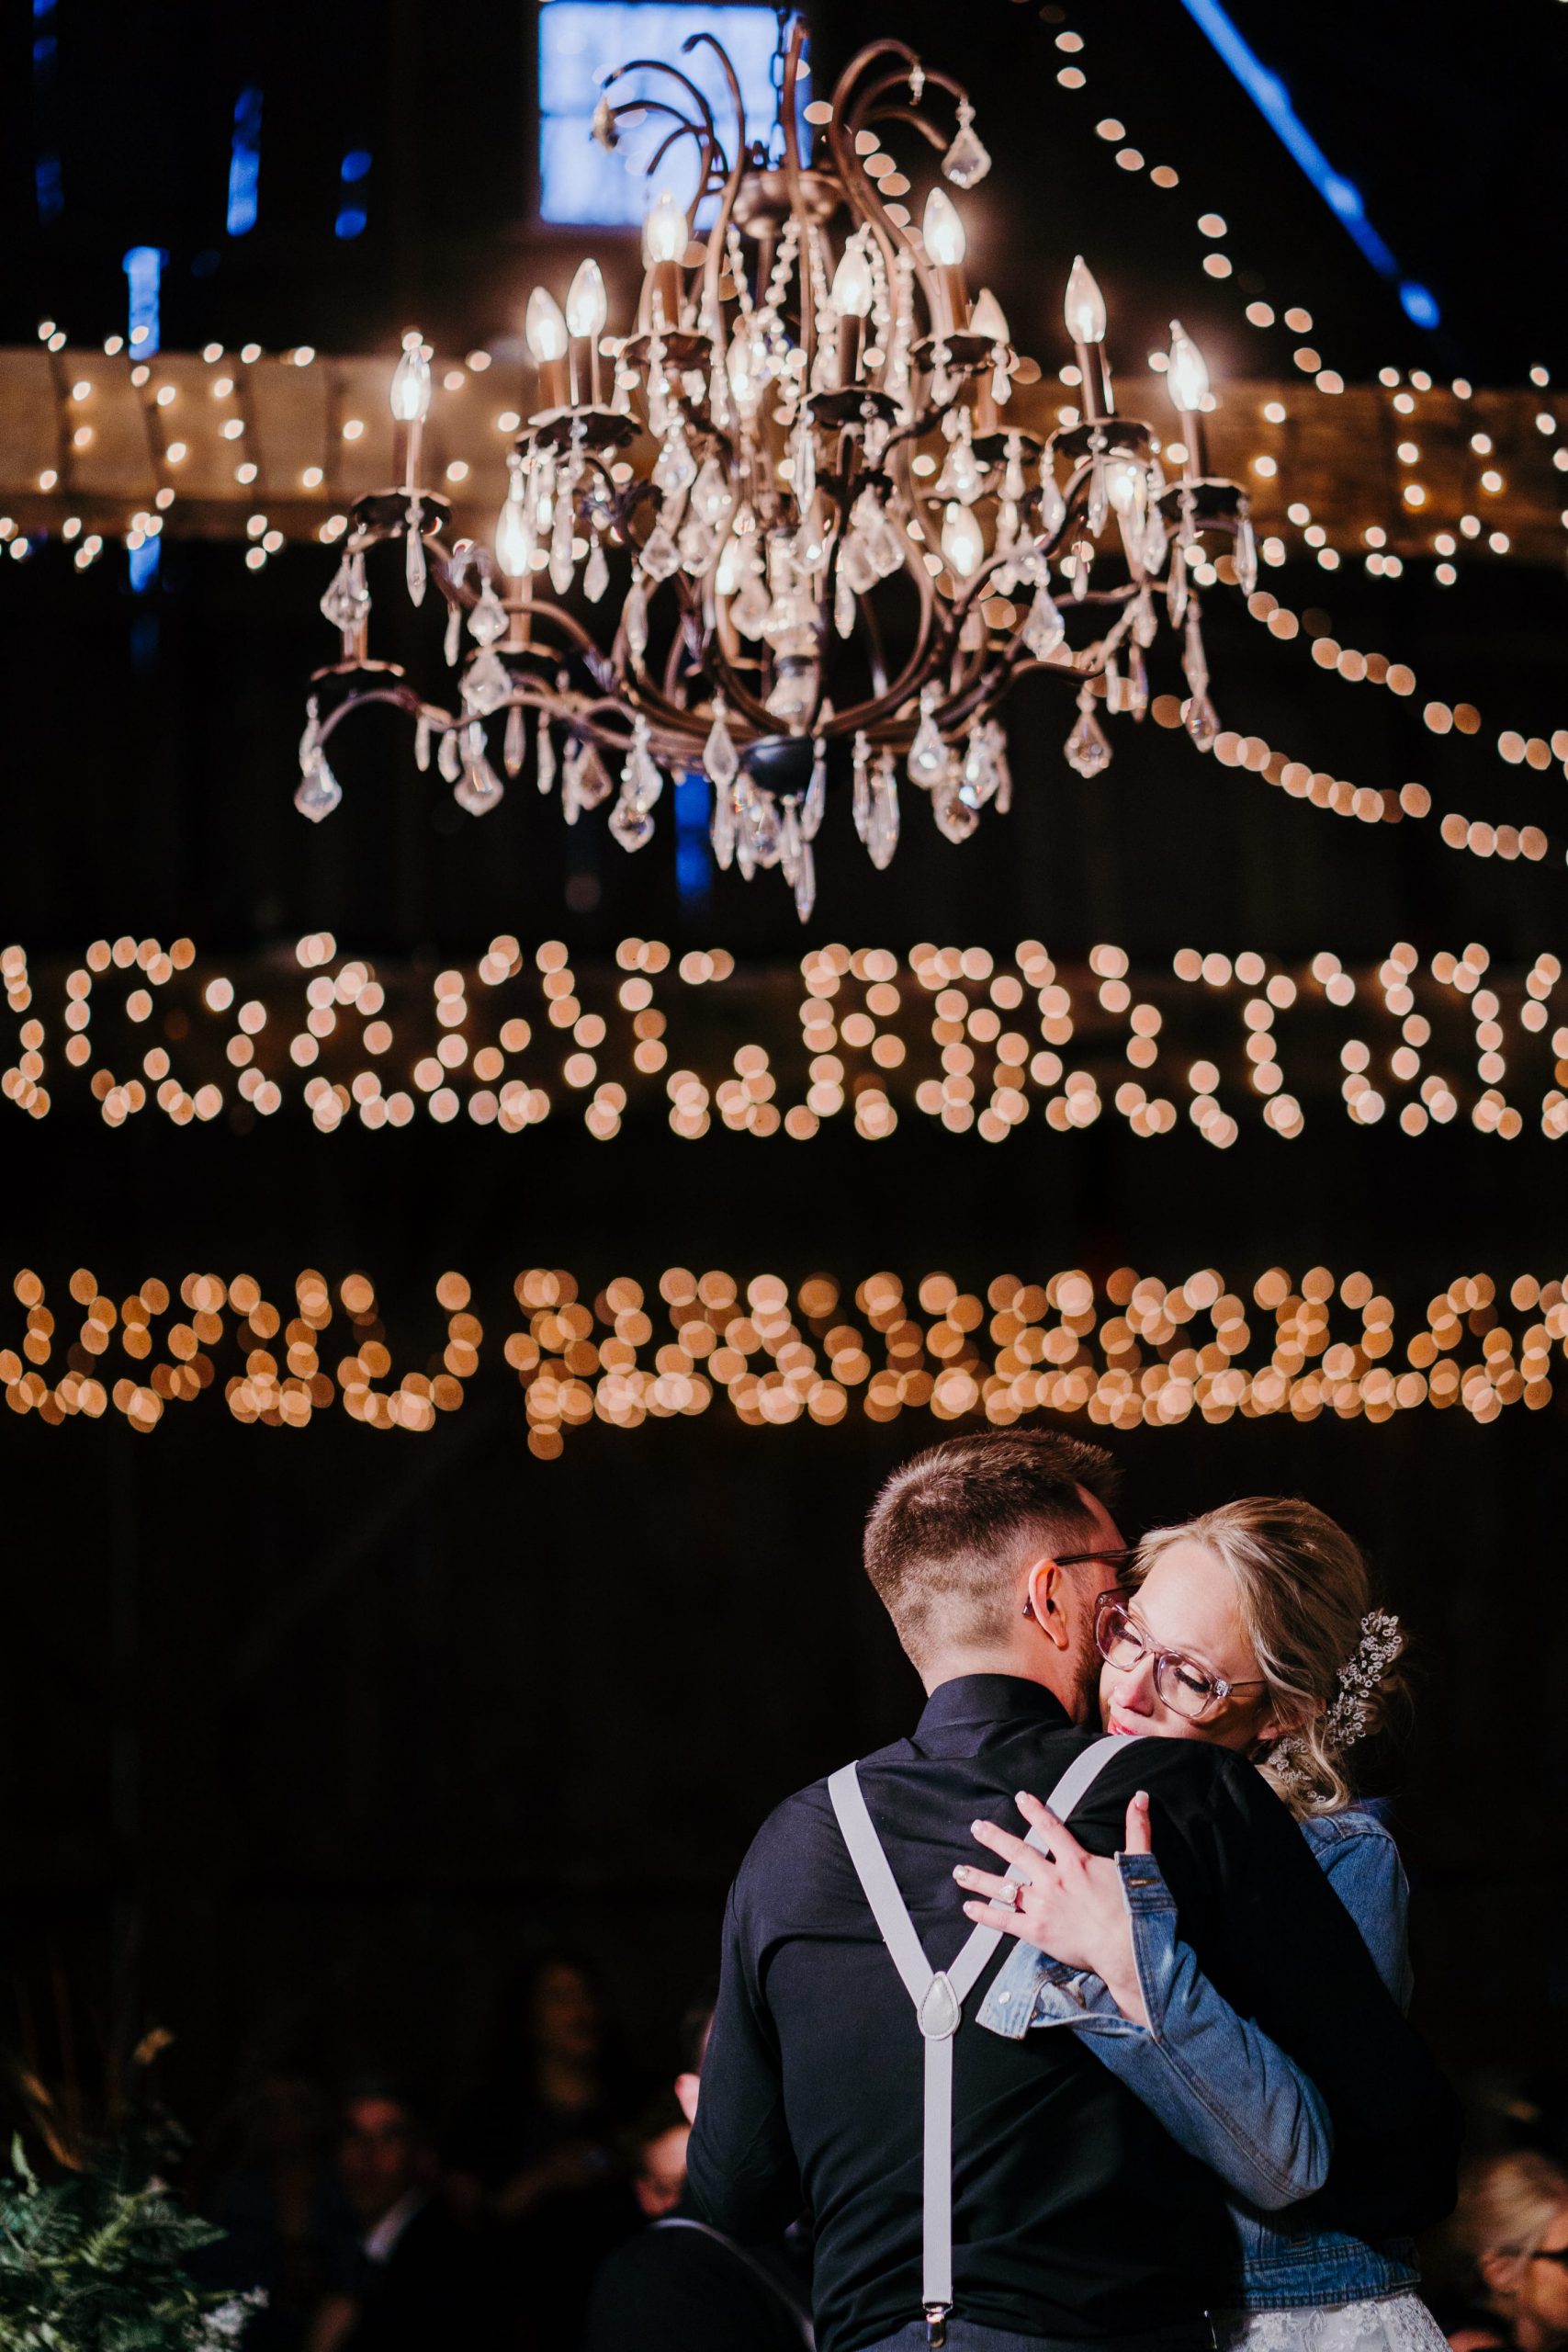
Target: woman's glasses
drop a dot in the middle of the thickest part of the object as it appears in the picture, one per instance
(1187, 1688)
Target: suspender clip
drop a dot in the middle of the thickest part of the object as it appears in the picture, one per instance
(936, 2326)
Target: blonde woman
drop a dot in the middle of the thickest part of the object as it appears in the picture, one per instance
(1512, 2228)
(1252, 1628)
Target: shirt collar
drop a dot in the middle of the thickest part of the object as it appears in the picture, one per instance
(989, 1699)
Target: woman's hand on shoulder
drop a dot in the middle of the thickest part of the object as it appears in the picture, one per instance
(1067, 1901)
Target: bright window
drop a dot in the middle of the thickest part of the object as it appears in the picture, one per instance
(581, 41)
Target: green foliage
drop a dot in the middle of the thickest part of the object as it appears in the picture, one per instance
(92, 2258)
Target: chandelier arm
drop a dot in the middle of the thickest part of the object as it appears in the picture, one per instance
(748, 703)
(706, 182)
(793, 181)
(713, 268)
(709, 129)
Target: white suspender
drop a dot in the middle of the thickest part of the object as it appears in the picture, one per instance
(939, 1996)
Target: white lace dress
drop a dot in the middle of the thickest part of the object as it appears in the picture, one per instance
(1392, 2324)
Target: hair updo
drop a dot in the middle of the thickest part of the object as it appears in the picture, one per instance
(1304, 1600)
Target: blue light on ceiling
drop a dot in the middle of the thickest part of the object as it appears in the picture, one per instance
(244, 164)
(143, 274)
(580, 39)
(352, 214)
(1272, 100)
(694, 865)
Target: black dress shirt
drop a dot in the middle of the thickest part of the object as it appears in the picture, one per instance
(1074, 2216)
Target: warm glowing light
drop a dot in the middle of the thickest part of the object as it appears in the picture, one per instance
(410, 384)
(1084, 307)
(586, 306)
(1187, 374)
(852, 285)
(545, 327)
(963, 546)
(942, 231)
(513, 541)
(664, 231)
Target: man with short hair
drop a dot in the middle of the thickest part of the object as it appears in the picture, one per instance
(1073, 2219)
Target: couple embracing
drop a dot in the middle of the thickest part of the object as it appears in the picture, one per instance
(1138, 2076)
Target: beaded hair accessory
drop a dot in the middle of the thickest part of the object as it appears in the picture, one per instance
(1381, 1640)
(1345, 1719)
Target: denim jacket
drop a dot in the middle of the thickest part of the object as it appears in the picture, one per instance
(1218, 2084)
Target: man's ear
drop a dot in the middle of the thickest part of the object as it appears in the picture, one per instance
(1500, 2272)
(686, 2087)
(1047, 1597)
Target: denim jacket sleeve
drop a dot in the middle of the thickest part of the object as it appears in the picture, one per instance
(1362, 1863)
(1221, 2088)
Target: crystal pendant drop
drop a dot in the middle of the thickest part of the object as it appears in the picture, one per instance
(1083, 564)
(790, 843)
(697, 544)
(515, 748)
(642, 780)
(767, 838)
(1155, 541)
(592, 781)
(722, 831)
(1137, 682)
(479, 789)
(452, 643)
(814, 807)
(862, 797)
(1194, 660)
(953, 815)
(1044, 629)
(745, 829)
(488, 682)
(806, 882)
(422, 745)
(596, 576)
(1099, 498)
(1201, 721)
(1245, 556)
(967, 160)
(720, 755)
(711, 495)
(488, 623)
(348, 600)
(978, 777)
(1176, 588)
(1053, 505)
(563, 563)
(544, 758)
(882, 838)
(660, 557)
(674, 469)
(632, 826)
(319, 791)
(413, 556)
(633, 621)
(928, 753)
(750, 610)
(844, 606)
(1086, 749)
(1000, 762)
(449, 758)
(1146, 621)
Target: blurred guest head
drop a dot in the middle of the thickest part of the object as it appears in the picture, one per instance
(383, 2150)
(562, 2016)
(1512, 2223)
(658, 2157)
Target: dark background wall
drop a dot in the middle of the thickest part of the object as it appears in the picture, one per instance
(303, 1737)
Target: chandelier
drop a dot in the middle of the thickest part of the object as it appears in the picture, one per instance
(784, 529)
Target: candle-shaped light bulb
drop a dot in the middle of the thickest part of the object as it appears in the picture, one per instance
(942, 231)
(744, 381)
(961, 543)
(1187, 375)
(586, 306)
(852, 285)
(664, 231)
(1083, 309)
(411, 383)
(513, 541)
(545, 327)
(989, 318)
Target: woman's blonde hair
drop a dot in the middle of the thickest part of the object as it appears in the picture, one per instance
(1508, 2203)
(1328, 1660)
